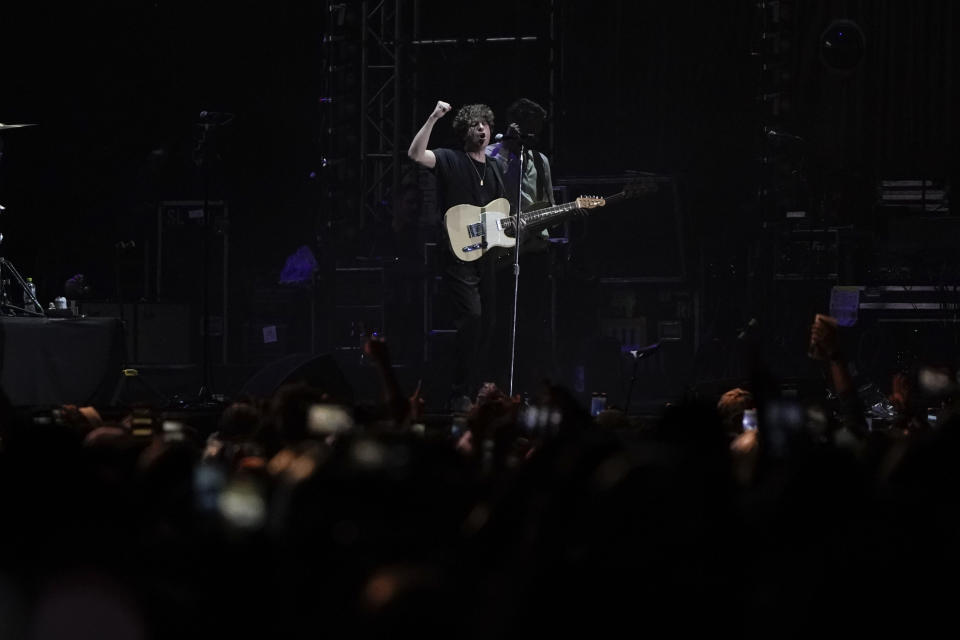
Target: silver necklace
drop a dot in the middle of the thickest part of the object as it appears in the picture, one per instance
(477, 171)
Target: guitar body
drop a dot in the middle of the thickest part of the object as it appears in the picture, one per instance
(473, 231)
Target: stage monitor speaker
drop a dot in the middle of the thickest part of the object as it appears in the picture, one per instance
(164, 334)
(321, 371)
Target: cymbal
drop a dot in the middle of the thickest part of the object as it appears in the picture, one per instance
(14, 126)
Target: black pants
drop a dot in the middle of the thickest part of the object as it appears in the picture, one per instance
(481, 294)
(533, 358)
(472, 289)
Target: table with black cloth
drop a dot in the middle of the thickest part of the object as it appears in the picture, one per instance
(54, 361)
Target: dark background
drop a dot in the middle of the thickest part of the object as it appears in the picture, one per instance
(668, 88)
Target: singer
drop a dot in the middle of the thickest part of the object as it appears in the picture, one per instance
(465, 176)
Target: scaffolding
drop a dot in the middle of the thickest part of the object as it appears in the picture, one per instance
(382, 67)
(392, 45)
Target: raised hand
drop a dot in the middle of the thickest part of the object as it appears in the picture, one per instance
(418, 151)
(824, 341)
(900, 397)
(376, 349)
(417, 403)
(440, 110)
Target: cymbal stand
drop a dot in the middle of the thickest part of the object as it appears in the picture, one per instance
(6, 306)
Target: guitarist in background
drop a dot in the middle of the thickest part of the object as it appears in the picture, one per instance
(464, 176)
(526, 119)
(534, 353)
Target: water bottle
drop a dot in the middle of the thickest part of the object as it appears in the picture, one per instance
(29, 294)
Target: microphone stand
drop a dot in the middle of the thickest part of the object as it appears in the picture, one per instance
(205, 152)
(638, 355)
(516, 264)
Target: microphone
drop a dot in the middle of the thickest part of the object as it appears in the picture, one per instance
(650, 349)
(514, 133)
(215, 117)
(747, 329)
(773, 133)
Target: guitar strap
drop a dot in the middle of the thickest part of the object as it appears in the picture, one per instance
(496, 172)
(541, 177)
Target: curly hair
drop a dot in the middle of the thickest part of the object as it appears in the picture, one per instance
(468, 115)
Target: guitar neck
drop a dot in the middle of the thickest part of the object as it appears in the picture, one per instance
(539, 217)
(542, 216)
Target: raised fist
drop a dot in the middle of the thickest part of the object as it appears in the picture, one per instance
(440, 110)
(824, 341)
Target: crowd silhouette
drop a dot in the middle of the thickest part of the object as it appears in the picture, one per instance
(301, 516)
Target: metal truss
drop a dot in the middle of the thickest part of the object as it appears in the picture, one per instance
(380, 104)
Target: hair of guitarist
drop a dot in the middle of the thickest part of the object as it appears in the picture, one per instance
(524, 110)
(470, 114)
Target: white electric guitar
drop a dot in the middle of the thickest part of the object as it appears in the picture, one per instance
(473, 231)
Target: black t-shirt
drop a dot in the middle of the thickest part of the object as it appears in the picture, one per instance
(459, 177)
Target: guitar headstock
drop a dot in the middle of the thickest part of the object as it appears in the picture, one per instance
(590, 202)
